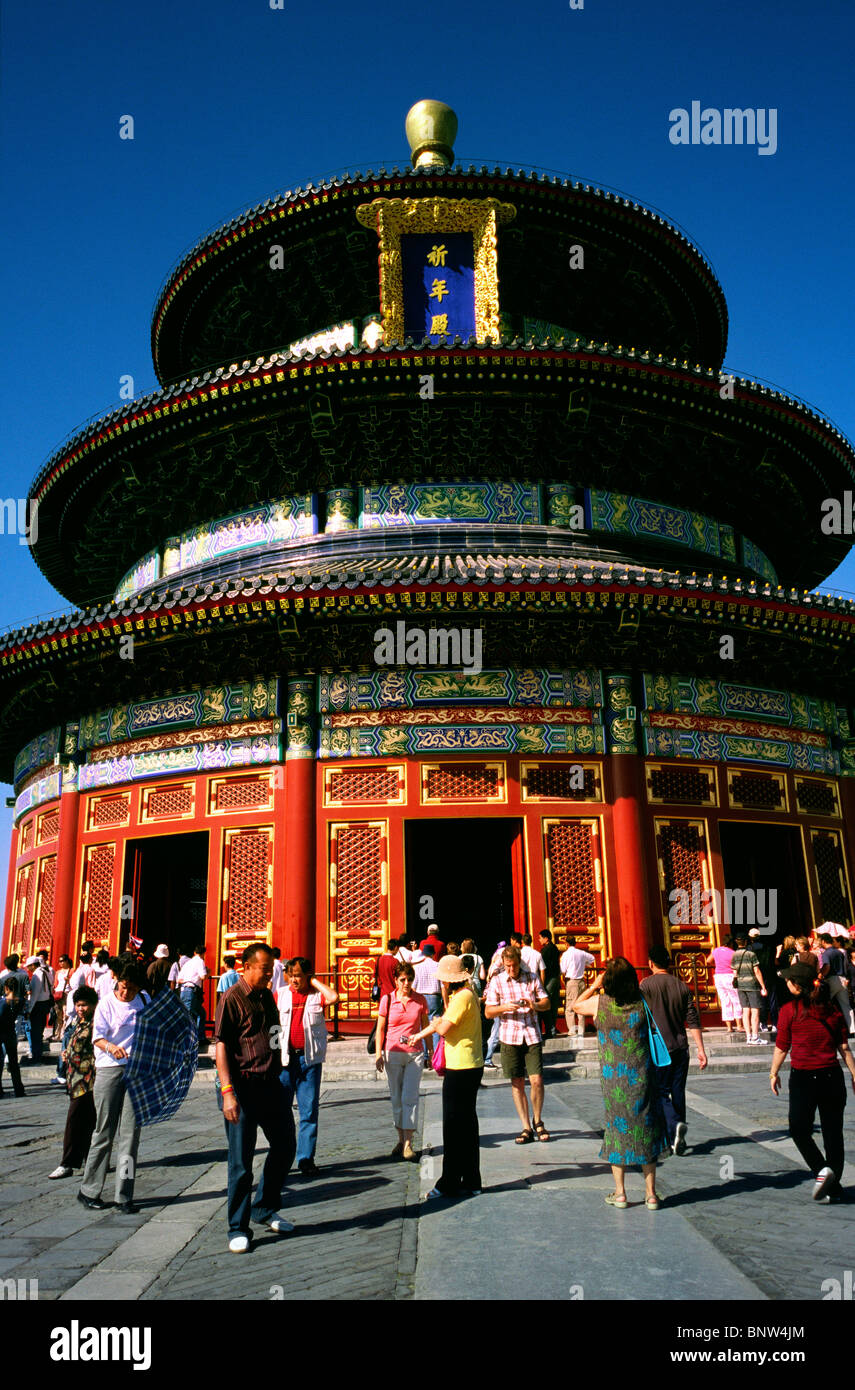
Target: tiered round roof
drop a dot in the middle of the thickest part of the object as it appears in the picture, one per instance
(629, 400)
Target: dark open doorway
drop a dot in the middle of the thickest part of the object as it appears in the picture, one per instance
(474, 873)
(166, 879)
(766, 857)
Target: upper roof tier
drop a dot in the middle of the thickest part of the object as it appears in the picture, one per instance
(643, 281)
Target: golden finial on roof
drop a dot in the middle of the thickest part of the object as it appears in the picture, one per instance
(431, 128)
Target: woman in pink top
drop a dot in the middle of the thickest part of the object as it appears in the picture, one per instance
(399, 1014)
(721, 958)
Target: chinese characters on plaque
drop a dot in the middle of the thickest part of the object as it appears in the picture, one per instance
(439, 285)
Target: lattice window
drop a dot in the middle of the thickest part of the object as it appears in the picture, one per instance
(48, 826)
(26, 836)
(359, 884)
(98, 891)
(109, 810)
(682, 785)
(758, 791)
(574, 903)
(348, 786)
(560, 782)
(242, 793)
(830, 875)
(162, 803)
(681, 855)
(248, 890)
(462, 782)
(43, 927)
(814, 797)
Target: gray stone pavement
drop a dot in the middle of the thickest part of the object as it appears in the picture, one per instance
(737, 1221)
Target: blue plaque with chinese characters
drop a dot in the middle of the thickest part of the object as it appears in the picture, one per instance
(438, 272)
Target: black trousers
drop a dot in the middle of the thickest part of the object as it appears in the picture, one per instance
(824, 1091)
(79, 1128)
(9, 1048)
(461, 1162)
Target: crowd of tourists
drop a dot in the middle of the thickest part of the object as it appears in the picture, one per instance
(440, 1007)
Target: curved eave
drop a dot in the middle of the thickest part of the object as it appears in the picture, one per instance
(299, 212)
(67, 487)
(309, 619)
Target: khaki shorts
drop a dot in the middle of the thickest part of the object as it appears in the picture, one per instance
(521, 1059)
(572, 990)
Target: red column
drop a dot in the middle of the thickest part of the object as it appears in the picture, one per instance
(11, 884)
(629, 866)
(299, 921)
(63, 939)
(847, 806)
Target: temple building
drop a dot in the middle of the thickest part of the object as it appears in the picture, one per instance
(447, 578)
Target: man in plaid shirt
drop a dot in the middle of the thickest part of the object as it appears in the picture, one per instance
(515, 996)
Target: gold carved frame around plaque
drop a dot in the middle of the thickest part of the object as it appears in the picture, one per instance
(391, 217)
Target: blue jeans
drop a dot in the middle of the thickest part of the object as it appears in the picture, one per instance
(263, 1105)
(434, 1008)
(493, 1040)
(191, 998)
(304, 1080)
(671, 1085)
(66, 1038)
(35, 1026)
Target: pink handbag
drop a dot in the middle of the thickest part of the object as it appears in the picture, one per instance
(438, 1062)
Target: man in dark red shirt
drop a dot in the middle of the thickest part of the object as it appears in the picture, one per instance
(386, 967)
(433, 940)
(250, 1095)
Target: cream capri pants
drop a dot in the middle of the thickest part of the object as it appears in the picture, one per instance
(404, 1075)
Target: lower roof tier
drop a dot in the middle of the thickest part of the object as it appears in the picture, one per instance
(542, 610)
(622, 422)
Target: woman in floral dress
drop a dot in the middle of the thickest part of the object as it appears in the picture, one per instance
(634, 1134)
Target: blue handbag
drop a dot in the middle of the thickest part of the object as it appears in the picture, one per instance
(658, 1051)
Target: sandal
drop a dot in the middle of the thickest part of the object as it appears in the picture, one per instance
(526, 1137)
(652, 1203)
(542, 1133)
(613, 1200)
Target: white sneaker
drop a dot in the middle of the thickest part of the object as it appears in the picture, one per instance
(680, 1138)
(239, 1245)
(60, 1172)
(281, 1226)
(825, 1182)
(762, 1042)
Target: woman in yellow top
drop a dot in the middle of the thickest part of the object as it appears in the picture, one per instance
(460, 1026)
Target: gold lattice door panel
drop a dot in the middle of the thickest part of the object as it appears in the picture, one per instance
(829, 866)
(26, 836)
(247, 891)
(573, 871)
(346, 786)
(22, 915)
(45, 899)
(758, 791)
(98, 889)
(358, 909)
(682, 853)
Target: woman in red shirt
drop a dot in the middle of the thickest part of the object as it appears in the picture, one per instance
(816, 1030)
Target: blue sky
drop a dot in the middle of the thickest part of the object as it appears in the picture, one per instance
(233, 100)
